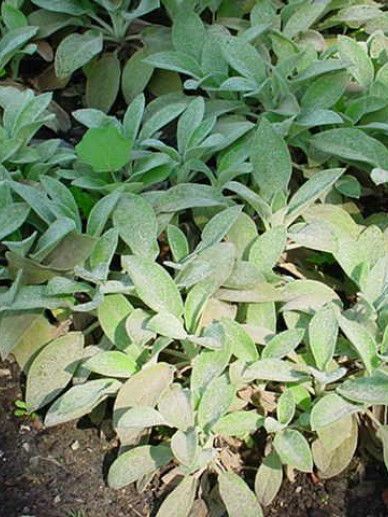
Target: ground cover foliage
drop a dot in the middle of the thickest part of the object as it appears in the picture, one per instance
(207, 266)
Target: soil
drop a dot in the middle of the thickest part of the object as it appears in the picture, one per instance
(60, 472)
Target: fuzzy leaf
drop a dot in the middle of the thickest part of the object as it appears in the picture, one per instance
(154, 286)
(268, 479)
(111, 363)
(214, 402)
(271, 160)
(53, 369)
(175, 405)
(75, 51)
(180, 501)
(371, 390)
(137, 225)
(136, 463)
(330, 409)
(282, 344)
(323, 334)
(80, 400)
(236, 496)
(294, 450)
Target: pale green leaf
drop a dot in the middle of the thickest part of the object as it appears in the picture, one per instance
(268, 479)
(136, 463)
(75, 51)
(271, 160)
(154, 286)
(294, 450)
(80, 400)
(52, 369)
(237, 496)
(323, 334)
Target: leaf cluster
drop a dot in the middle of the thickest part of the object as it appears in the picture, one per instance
(210, 259)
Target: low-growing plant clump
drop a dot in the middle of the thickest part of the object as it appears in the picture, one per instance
(208, 265)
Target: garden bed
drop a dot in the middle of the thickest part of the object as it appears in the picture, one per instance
(194, 258)
(61, 471)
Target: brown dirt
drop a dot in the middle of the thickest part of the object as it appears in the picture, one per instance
(60, 472)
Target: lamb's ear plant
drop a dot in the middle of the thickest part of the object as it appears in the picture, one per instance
(105, 29)
(203, 261)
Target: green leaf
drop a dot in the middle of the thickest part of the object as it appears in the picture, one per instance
(80, 400)
(361, 66)
(53, 369)
(136, 463)
(241, 344)
(214, 402)
(23, 333)
(236, 496)
(286, 407)
(379, 176)
(294, 450)
(352, 144)
(13, 18)
(111, 364)
(74, 7)
(136, 222)
(178, 243)
(102, 254)
(218, 226)
(269, 478)
(332, 462)
(371, 390)
(282, 344)
(100, 213)
(267, 248)
(154, 286)
(304, 17)
(35, 199)
(103, 82)
(142, 389)
(49, 240)
(238, 423)
(180, 501)
(188, 195)
(188, 33)
(12, 217)
(349, 186)
(271, 160)
(112, 314)
(12, 41)
(362, 341)
(274, 370)
(175, 405)
(318, 185)
(104, 149)
(257, 202)
(136, 75)
(140, 417)
(135, 326)
(189, 122)
(325, 91)
(214, 264)
(176, 61)
(166, 324)
(244, 58)
(329, 409)
(75, 51)
(323, 334)
(184, 445)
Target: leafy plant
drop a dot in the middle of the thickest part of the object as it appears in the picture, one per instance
(209, 259)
